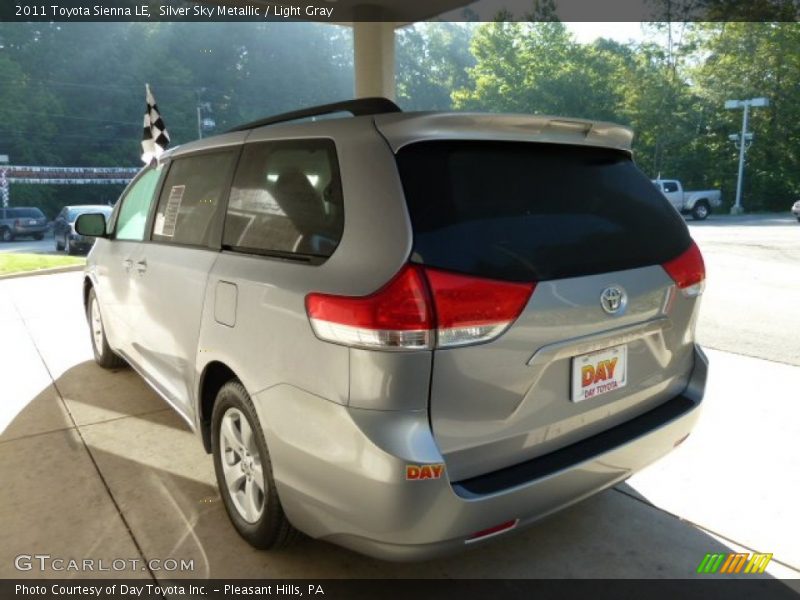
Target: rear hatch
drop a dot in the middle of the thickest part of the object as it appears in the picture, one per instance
(605, 334)
(28, 218)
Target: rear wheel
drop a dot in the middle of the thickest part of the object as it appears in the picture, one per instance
(6, 235)
(38, 237)
(244, 471)
(103, 354)
(701, 210)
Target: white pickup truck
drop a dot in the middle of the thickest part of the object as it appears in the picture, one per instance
(697, 204)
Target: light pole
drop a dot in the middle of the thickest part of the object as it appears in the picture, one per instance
(743, 142)
(203, 123)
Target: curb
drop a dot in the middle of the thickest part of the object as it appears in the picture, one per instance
(52, 271)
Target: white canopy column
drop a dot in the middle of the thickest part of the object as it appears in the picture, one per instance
(373, 57)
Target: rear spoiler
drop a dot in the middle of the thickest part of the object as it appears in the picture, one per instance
(401, 129)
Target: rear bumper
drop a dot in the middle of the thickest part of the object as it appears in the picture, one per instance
(33, 230)
(341, 473)
(80, 242)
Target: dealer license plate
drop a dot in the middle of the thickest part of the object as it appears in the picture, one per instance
(599, 372)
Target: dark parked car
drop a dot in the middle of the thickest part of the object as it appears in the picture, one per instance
(64, 227)
(21, 222)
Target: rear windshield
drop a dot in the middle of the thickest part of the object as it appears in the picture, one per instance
(531, 211)
(26, 213)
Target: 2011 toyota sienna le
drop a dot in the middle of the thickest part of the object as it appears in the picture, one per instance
(405, 333)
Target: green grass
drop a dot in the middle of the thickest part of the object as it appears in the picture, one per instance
(22, 263)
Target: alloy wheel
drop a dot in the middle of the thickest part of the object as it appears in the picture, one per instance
(241, 465)
(97, 327)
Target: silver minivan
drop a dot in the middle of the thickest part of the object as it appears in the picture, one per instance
(405, 333)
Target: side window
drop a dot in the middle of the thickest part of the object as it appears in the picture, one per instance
(191, 199)
(135, 206)
(670, 186)
(286, 198)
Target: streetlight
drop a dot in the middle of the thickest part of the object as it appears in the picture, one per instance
(743, 141)
(204, 123)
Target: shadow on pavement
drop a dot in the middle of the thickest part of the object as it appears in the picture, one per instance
(94, 395)
(133, 481)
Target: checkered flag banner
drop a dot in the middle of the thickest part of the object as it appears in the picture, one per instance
(155, 138)
(3, 188)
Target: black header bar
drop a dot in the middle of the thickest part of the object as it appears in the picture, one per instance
(397, 11)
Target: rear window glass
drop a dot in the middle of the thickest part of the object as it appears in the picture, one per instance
(525, 211)
(670, 186)
(286, 200)
(26, 213)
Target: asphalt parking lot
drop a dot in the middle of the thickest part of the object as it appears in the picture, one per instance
(95, 465)
(30, 246)
(755, 309)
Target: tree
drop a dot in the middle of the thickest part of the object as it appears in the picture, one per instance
(746, 60)
(67, 102)
(432, 60)
(539, 68)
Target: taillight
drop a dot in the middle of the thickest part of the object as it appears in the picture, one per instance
(420, 308)
(474, 309)
(688, 271)
(398, 316)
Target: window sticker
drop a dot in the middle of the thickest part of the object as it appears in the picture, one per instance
(165, 224)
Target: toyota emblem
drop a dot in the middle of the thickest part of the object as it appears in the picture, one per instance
(613, 299)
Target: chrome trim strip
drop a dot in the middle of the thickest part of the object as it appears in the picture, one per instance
(598, 341)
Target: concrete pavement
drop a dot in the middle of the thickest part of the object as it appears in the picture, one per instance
(96, 465)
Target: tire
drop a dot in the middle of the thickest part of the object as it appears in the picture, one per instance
(39, 237)
(103, 354)
(798, 219)
(701, 210)
(58, 246)
(6, 235)
(243, 459)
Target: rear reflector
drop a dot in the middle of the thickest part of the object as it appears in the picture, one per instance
(492, 531)
(420, 308)
(688, 271)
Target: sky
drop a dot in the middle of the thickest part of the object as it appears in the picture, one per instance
(621, 32)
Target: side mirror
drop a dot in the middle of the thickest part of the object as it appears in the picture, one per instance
(91, 225)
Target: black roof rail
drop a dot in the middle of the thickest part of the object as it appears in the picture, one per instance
(358, 108)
